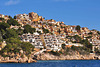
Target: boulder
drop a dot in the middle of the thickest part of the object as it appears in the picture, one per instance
(30, 60)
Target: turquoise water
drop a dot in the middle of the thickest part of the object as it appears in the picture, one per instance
(67, 63)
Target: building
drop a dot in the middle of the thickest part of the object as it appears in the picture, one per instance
(74, 44)
(34, 39)
(52, 42)
(35, 17)
(5, 17)
(95, 43)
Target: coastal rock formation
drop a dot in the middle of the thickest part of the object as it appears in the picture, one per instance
(13, 60)
(48, 56)
(30, 60)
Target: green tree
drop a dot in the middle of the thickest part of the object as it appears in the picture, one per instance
(15, 17)
(87, 44)
(3, 32)
(55, 53)
(90, 33)
(12, 48)
(13, 22)
(27, 47)
(98, 32)
(13, 41)
(19, 31)
(11, 33)
(39, 32)
(78, 28)
(63, 46)
(0, 36)
(13, 45)
(74, 48)
(77, 38)
(89, 37)
(4, 25)
(28, 29)
(45, 31)
(1, 18)
(10, 17)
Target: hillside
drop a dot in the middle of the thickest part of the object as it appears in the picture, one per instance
(26, 34)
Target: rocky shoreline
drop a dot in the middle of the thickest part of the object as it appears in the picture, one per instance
(14, 60)
(48, 56)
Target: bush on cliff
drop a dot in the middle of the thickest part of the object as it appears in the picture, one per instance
(27, 47)
(97, 51)
(63, 46)
(78, 28)
(14, 45)
(13, 22)
(45, 31)
(55, 53)
(10, 33)
(87, 44)
(4, 25)
(19, 31)
(77, 38)
(29, 29)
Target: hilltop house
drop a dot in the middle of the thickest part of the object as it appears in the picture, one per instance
(5, 17)
(35, 17)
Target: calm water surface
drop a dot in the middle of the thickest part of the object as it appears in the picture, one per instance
(67, 63)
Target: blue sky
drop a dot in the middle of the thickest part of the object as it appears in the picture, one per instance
(85, 13)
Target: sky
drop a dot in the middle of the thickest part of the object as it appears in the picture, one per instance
(85, 13)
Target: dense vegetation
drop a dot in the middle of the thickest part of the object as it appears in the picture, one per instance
(87, 46)
(55, 53)
(13, 22)
(45, 30)
(14, 45)
(78, 28)
(78, 39)
(29, 29)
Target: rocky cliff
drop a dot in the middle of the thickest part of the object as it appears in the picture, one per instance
(47, 56)
(14, 60)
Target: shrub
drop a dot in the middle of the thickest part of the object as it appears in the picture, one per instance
(45, 31)
(63, 46)
(29, 29)
(55, 53)
(78, 28)
(13, 22)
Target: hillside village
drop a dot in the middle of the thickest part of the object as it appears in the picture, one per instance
(49, 34)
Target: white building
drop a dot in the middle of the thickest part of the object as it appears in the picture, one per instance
(34, 39)
(52, 42)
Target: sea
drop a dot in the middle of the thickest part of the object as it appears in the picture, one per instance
(57, 63)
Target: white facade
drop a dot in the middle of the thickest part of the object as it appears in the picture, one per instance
(34, 39)
(52, 42)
